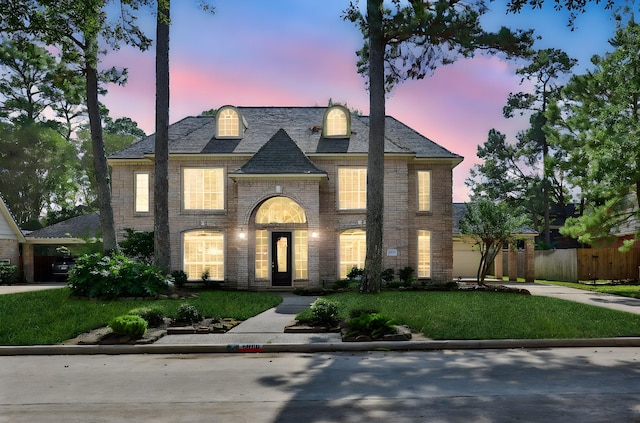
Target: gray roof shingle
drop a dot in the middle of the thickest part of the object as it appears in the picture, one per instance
(280, 155)
(86, 226)
(195, 135)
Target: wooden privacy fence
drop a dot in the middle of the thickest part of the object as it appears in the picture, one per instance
(587, 264)
(608, 263)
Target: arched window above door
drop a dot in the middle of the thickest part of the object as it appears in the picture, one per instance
(280, 210)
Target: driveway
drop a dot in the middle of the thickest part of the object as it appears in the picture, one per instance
(14, 289)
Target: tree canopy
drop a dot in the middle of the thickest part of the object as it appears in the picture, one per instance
(409, 40)
(492, 225)
(597, 125)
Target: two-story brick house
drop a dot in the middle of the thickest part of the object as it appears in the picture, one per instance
(275, 197)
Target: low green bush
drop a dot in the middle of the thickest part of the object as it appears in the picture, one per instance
(324, 312)
(8, 274)
(154, 316)
(372, 324)
(128, 325)
(188, 314)
(341, 284)
(115, 275)
(179, 277)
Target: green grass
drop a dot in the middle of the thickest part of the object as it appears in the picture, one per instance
(623, 290)
(49, 317)
(491, 315)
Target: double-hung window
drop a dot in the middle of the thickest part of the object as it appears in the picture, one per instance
(424, 190)
(141, 192)
(352, 188)
(203, 188)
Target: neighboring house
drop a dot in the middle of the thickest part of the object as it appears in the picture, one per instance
(519, 262)
(40, 246)
(275, 197)
(10, 236)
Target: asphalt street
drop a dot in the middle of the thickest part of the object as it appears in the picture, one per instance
(511, 385)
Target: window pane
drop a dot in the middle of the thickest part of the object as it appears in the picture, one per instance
(203, 189)
(424, 190)
(336, 123)
(204, 250)
(353, 249)
(228, 123)
(262, 255)
(301, 254)
(142, 192)
(424, 254)
(280, 210)
(352, 188)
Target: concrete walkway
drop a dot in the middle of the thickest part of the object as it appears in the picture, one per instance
(615, 302)
(265, 328)
(14, 289)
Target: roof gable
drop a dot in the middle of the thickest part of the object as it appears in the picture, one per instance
(279, 155)
(8, 222)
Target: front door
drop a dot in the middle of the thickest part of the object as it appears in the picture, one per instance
(281, 258)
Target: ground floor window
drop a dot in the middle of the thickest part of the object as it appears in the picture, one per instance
(353, 250)
(204, 251)
(424, 254)
(301, 254)
(262, 254)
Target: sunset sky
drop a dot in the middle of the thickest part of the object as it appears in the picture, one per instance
(302, 53)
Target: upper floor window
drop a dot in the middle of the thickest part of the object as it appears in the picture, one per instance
(203, 188)
(424, 190)
(229, 123)
(337, 122)
(352, 188)
(141, 192)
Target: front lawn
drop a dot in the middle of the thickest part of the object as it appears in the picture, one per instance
(491, 315)
(50, 317)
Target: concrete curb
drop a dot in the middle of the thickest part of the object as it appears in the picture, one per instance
(316, 347)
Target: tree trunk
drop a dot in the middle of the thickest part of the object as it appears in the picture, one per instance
(375, 167)
(161, 250)
(100, 166)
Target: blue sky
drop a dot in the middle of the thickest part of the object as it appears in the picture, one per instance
(302, 53)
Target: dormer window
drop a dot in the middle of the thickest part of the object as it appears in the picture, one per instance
(337, 122)
(229, 123)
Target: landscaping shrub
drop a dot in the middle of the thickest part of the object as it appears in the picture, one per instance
(187, 314)
(406, 275)
(128, 325)
(387, 275)
(324, 312)
(154, 316)
(138, 245)
(179, 277)
(355, 273)
(341, 284)
(114, 276)
(8, 274)
(372, 324)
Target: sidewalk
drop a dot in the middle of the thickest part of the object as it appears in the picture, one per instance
(616, 302)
